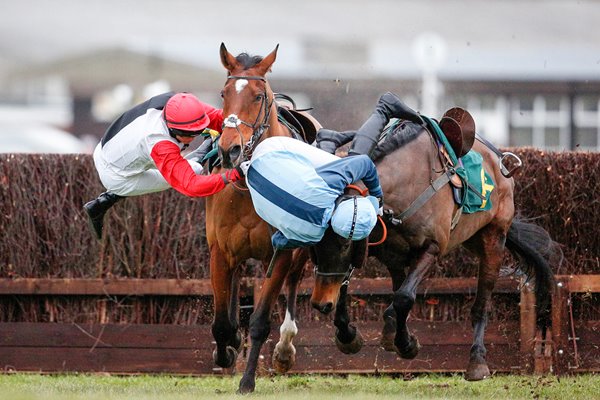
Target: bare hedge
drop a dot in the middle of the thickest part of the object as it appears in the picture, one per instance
(44, 233)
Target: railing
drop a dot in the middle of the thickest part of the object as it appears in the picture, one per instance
(133, 348)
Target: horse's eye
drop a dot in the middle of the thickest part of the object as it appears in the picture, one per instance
(222, 93)
(259, 97)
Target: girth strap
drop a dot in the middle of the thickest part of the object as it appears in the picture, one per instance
(423, 198)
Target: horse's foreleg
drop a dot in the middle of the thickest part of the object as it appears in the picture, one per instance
(404, 298)
(234, 310)
(347, 338)
(260, 320)
(491, 254)
(284, 355)
(388, 333)
(224, 331)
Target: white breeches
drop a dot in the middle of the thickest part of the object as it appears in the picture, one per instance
(148, 181)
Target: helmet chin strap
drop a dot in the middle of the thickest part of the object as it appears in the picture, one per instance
(353, 218)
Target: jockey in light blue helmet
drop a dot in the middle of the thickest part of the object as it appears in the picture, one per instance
(294, 187)
(355, 217)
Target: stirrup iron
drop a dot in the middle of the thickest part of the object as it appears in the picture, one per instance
(513, 160)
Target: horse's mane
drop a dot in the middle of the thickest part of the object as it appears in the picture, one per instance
(248, 61)
(401, 133)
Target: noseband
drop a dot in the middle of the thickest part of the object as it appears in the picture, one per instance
(347, 275)
(258, 129)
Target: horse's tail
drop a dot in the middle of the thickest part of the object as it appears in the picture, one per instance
(539, 253)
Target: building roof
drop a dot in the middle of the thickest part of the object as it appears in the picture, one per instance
(102, 69)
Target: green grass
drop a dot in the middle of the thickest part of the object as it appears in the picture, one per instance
(95, 387)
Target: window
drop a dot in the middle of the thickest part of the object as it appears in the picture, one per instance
(587, 122)
(540, 121)
(521, 137)
(586, 138)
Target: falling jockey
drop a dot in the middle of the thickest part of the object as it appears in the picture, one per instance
(296, 187)
(141, 153)
(365, 139)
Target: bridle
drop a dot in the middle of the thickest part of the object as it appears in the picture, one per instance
(346, 275)
(258, 129)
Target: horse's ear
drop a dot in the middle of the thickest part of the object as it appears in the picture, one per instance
(265, 65)
(227, 59)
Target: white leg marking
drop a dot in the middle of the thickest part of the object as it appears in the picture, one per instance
(288, 329)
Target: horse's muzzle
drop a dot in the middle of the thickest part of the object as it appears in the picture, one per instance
(323, 308)
(231, 157)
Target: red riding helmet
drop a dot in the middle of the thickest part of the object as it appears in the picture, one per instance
(185, 112)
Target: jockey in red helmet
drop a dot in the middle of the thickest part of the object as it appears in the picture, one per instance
(185, 112)
(141, 153)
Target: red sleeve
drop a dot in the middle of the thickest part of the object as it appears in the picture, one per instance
(216, 118)
(178, 173)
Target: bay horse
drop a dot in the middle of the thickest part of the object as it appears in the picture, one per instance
(406, 169)
(235, 232)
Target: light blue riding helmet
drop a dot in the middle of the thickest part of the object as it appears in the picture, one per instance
(355, 217)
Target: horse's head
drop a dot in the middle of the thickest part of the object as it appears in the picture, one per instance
(335, 259)
(248, 102)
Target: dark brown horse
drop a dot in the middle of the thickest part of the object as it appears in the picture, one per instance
(414, 245)
(235, 233)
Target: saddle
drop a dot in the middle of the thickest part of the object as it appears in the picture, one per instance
(451, 161)
(301, 121)
(454, 135)
(459, 127)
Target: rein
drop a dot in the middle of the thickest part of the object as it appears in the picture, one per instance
(363, 193)
(257, 129)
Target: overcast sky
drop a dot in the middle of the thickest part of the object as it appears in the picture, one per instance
(546, 36)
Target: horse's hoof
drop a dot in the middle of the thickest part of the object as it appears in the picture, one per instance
(353, 347)
(284, 357)
(387, 342)
(411, 350)
(230, 357)
(246, 385)
(477, 372)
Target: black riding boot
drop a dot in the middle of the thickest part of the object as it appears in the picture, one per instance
(389, 106)
(329, 140)
(96, 209)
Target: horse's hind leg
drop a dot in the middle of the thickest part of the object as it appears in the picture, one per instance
(284, 355)
(347, 337)
(407, 344)
(489, 244)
